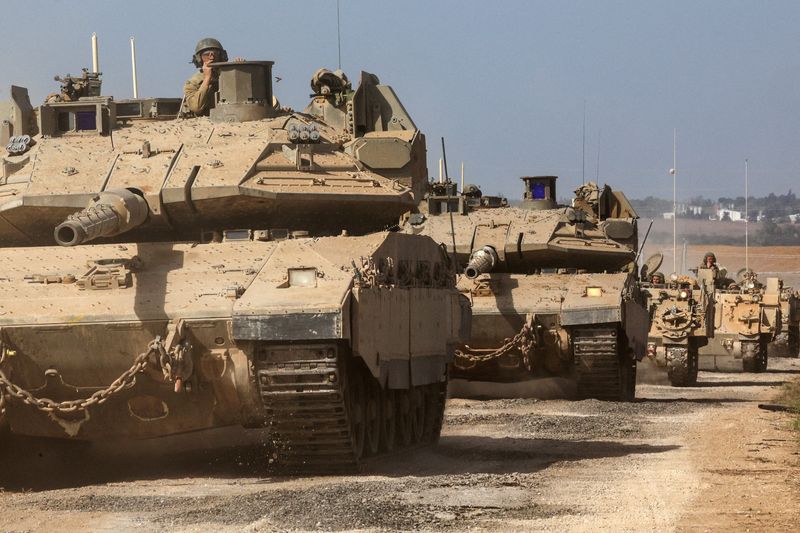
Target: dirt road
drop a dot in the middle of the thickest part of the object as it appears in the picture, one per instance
(699, 459)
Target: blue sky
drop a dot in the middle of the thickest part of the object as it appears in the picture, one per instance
(504, 82)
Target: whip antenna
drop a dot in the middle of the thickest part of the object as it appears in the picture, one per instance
(338, 34)
(746, 240)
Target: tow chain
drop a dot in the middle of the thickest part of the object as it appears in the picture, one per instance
(46, 405)
(524, 341)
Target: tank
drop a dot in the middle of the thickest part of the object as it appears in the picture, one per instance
(747, 317)
(165, 274)
(554, 289)
(681, 322)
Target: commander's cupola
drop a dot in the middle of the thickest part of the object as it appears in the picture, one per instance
(245, 91)
(540, 192)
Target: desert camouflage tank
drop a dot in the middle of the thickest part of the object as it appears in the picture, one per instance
(230, 270)
(747, 317)
(681, 319)
(554, 289)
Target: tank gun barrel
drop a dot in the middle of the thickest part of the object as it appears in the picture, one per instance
(480, 262)
(110, 213)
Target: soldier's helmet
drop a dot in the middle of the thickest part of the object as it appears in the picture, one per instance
(707, 255)
(208, 43)
(657, 278)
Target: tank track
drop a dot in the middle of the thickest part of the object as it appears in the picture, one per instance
(602, 370)
(793, 341)
(682, 366)
(317, 410)
(754, 356)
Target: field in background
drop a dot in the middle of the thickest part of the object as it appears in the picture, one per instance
(783, 261)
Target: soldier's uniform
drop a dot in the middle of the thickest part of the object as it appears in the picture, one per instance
(199, 100)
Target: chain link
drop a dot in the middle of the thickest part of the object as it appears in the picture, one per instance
(524, 341)
(124, 381)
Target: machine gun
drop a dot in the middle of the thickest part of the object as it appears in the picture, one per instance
(110, 213)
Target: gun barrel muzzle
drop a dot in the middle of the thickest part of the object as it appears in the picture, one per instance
(481, 261)
(110, 213)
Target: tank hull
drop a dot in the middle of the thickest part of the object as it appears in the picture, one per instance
(567, 328)
(246, 333)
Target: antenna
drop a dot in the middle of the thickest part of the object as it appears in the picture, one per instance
(583, 151)
(339, 34)
(95, 55)
(133, 68)
(746, 240)
(674, 172)
(597, 174)
(462, 176)
(444, 159)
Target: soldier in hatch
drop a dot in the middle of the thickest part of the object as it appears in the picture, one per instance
(657, 278)
(198, 91)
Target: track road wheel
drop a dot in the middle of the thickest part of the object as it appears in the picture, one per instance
(750, 354)
(403, 417)
(417, 395)
(388, 420)
(678, 366)
(356, 397)
(628, 378)
(694, 364)
(373, 417)
(435, 397)
(794, 341)
(762, 356)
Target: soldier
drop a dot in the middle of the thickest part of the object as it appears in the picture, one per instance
(657, 278)
(198, 91)
(709, 261)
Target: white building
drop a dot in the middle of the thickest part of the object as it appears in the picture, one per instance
(731, 214)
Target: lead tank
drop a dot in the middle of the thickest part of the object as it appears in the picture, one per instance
(164, 274)
(553, 288)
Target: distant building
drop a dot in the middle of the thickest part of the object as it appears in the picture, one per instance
(730, 214)
(667, 216)
(795, 218)
(695, 210)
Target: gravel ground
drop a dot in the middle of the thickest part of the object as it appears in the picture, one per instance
(696, 459)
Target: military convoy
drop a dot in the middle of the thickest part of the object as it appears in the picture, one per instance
(554, 289)
(165, 274)
(681, 314)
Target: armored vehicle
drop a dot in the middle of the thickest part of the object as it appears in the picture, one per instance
(554, 289)
(164, 274)
(747, 317)
(790, 321)
(681, 319)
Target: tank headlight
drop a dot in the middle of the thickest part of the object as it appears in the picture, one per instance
(302, 277)
(594, 292)
(674, 277)
(683, 295)
(751, 285)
